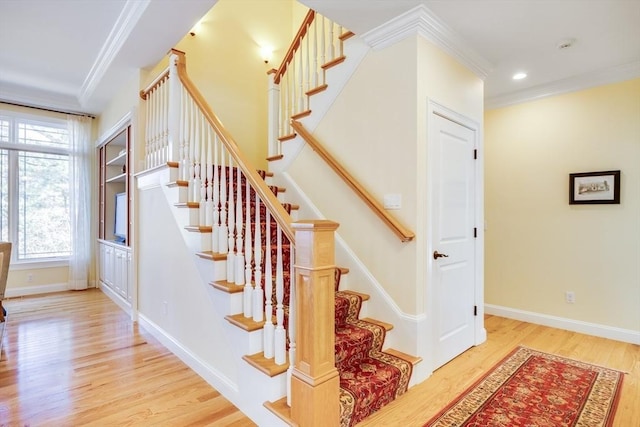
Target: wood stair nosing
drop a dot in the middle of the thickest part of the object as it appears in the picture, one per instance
(414, 360)
(301, 114)
(365, 297)
(317, 90)
(346, 35)
(387, 326)
(173, 164)
(276, 157)
(190, 205)
(267, 366)
(288, 137)
(246, 323)
(213, 256)
(199, 228)
(280, 409)
(228, 287)
(178, 183)
(333, 62)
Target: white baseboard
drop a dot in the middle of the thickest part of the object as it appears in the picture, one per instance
(216, 379)
(604, 331)
(35, 290)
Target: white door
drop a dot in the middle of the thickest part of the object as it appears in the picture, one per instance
(452, 252)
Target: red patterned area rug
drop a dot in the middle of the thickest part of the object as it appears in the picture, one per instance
(535, 389)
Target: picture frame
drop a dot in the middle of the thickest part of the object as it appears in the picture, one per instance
(591, 188)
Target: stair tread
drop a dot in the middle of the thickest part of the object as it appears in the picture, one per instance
(198, 228)
(317, 89)
(287, 137)
(213, 256)
(246, 323)
(190, 205)
(173, 164)
(267, 366)
(385, 325)
(301, 114)
(365, 297)
(227, 287)
(414, 360)
(276, 157)
(334, 62)
(281, 410)
(178, 183)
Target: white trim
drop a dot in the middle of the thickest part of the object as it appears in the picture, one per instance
(219, 381)
(423, 22)
(114, 130)
(36, 265)
(598, 330)
(126, 23)
(22, 291)
(570, 84)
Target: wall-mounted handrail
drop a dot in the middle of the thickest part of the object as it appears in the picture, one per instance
(401, 231)
(268, 198)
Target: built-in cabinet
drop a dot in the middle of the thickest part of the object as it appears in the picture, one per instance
(114, 211)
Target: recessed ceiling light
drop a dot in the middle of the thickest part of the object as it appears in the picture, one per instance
(519, 76)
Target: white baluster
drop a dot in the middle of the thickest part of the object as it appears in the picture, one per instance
(208, 217)
(223, 245)
(301, 101)
(280, 334)
(258, 293)
(308, 59)
(239, 266)
(183, 168)
(340, 31)
(215, 231)
(203, 172)
(332, 41)
(231, 218)
(248, 289)
(323, 47)
(192, 148)
(268, 292)
(316, 69)
(197, 168)
(147, 132)
(292, 324)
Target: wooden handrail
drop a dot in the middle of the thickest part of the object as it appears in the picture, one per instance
(251, 174)
(155, 83)
(308, 19)
(402, 232)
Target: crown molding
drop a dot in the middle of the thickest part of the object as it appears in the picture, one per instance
(126, 23)
(615, 74)
(421, 21)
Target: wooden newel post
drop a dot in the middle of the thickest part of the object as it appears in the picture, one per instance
(315, 383)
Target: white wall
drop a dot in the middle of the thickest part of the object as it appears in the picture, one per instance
(537, 245)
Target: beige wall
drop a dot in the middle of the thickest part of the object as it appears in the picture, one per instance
(537, 245)
(377, 129)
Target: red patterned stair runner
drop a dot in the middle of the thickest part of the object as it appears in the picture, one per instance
(369, 377)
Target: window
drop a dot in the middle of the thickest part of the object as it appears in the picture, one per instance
(34, 187)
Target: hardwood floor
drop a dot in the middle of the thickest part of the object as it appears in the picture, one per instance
(74, 358)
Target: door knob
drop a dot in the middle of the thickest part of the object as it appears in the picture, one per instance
(437, 255)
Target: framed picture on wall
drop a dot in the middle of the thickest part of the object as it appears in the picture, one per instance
(589, 188)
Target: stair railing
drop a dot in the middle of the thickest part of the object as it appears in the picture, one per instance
(403, 233)
(318, 45)
(231, 194)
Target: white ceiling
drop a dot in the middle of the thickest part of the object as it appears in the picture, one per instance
(71, 54)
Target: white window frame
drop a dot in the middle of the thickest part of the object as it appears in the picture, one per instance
(14, 117)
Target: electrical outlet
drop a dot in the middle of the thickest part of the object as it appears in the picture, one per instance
(29, 277)
(570, 297)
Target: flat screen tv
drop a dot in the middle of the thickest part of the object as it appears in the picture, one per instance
(120, 222)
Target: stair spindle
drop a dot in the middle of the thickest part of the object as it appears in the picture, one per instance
(231, 255)
(239, 265)
(268, 293)
(223, 243)
(258, 292)
(248, 288)
(280, 333)
(292, 324)
(215, 230)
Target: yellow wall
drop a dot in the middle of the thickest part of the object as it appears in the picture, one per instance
(224, 61)
(537, 245)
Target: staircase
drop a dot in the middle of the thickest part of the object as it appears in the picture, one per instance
(241, 225)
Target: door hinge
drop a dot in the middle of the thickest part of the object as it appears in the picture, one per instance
(475, 232)
(475, 154)
(475, 310)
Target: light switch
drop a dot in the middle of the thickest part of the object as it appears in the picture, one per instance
(392, 201)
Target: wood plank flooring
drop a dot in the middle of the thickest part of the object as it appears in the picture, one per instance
(74, 358)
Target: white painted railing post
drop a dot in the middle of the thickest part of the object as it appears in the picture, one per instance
(175, 95)
(274, 114)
